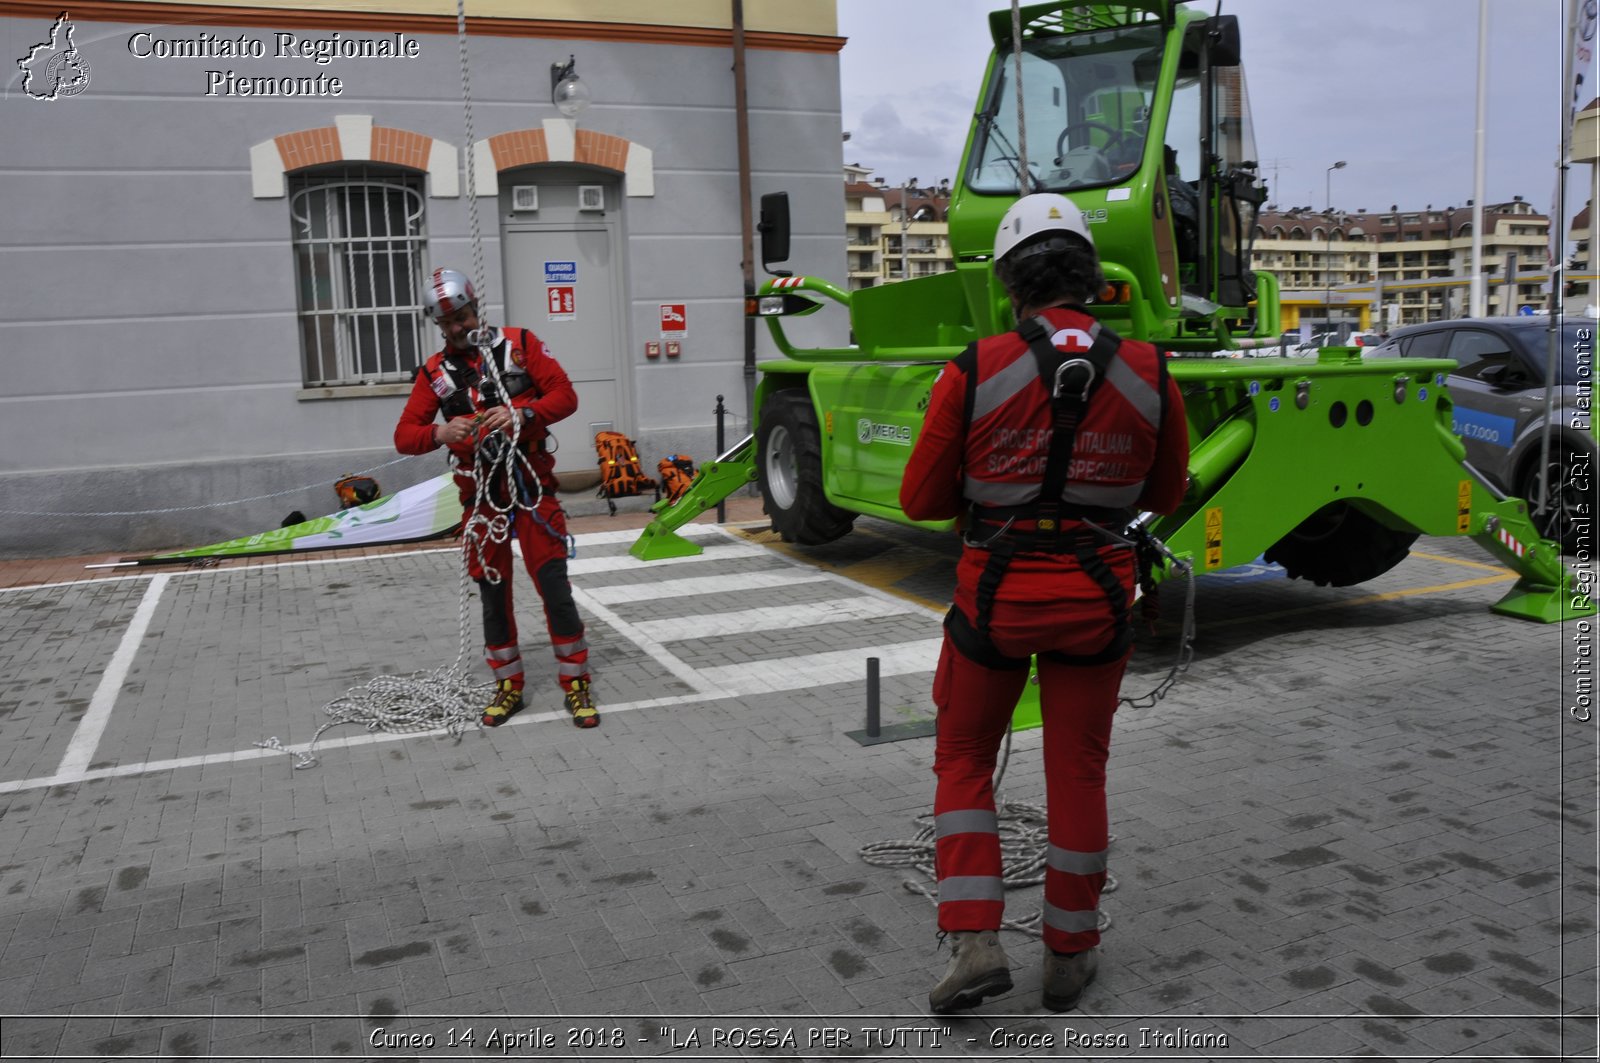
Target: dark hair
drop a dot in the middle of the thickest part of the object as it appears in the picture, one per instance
(1071, 273)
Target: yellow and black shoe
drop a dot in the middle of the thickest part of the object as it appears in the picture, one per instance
(581, 705)
(507, 702)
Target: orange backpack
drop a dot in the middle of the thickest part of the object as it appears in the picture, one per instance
(620, 473)
(677, 475)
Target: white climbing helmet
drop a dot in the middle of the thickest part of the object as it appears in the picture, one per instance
(447, 291)
(1034, 215)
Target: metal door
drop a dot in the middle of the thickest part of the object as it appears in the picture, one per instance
(563, 282)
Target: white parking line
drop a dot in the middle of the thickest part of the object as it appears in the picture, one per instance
(80, 751)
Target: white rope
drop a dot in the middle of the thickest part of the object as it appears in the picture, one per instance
(192, 509)
(1024, 175)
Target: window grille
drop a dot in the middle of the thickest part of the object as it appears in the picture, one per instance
(359, 244)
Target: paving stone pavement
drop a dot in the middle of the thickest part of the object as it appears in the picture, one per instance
(1363, 824)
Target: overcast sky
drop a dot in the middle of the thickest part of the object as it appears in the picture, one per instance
(1389, 86)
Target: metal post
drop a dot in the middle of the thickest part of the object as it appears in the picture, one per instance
(1511, 283)
(872, 697)
(1327, 258)
(722, 505)
(905, 227)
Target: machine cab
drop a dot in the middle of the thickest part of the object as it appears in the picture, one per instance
(1139, 113)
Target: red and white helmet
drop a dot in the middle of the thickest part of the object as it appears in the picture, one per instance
(447, 291)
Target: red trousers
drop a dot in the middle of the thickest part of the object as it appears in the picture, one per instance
(1077, 702)
(544, 553)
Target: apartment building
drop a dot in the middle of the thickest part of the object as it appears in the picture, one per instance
(1361, 269)
(894, 231)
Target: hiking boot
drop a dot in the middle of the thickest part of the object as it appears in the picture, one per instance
(978, 968)
(1066, 976)
(581, 705)
(507, 701)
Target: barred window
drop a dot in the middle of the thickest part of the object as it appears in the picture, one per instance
(359, 244)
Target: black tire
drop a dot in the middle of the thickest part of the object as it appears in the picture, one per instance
(1559, 523)
(1339, 545)
(789, 471)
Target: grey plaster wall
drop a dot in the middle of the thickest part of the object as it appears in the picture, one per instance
(148, 325)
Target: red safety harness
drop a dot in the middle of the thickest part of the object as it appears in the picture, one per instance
(1072, 380)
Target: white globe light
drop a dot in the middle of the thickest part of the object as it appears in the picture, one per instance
(571, 96)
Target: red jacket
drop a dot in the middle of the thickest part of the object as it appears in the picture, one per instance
(550, 398)
(1004, 458)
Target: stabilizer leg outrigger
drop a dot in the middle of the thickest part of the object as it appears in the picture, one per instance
(715, 482)
(1546, 590)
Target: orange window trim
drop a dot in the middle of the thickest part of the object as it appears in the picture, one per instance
(298, 18)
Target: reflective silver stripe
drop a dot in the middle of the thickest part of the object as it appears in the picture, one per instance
(1075, 863)
(1108, 495)
(572, 669)
(1070, 922)
(989, 493)
(507, 670)
(975, 888)
(1136, 389)
(1004, 385)
(567, 649)
(965, 821)
(506, 653)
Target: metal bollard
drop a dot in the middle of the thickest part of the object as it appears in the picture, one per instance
(722, 506)
(872, 697)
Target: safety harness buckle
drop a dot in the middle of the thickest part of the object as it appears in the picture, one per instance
(1074, 363)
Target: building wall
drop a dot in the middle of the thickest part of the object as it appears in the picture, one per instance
(150, 320)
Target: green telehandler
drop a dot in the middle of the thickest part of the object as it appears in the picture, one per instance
(1138, 112)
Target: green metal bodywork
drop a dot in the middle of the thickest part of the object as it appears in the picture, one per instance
(1273, 440)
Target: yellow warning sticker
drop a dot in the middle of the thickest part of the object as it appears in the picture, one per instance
(827, 420)
(1463, 506)
(1214, 538)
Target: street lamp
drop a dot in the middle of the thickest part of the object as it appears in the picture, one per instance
(905, 226)
(1327, 258)
(569, 94)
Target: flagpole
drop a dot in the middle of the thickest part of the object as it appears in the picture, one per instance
(1476, 307)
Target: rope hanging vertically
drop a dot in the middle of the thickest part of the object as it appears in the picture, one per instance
(1024, 175)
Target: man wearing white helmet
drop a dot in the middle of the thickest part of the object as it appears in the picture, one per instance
(1039, 438)
(480, 404)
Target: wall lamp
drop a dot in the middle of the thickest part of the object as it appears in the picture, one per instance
(569, 94)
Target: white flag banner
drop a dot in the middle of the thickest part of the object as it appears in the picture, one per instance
(1578, 80)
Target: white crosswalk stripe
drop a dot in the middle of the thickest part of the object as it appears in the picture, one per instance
(736, 584)
(816, 669)
(660, 636)
(773, 618)
(713, 552)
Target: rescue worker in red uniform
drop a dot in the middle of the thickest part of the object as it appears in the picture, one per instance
(479, 413)
(1039, 438)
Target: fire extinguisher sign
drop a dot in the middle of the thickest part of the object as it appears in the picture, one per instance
(674, 321)
(561, 302)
